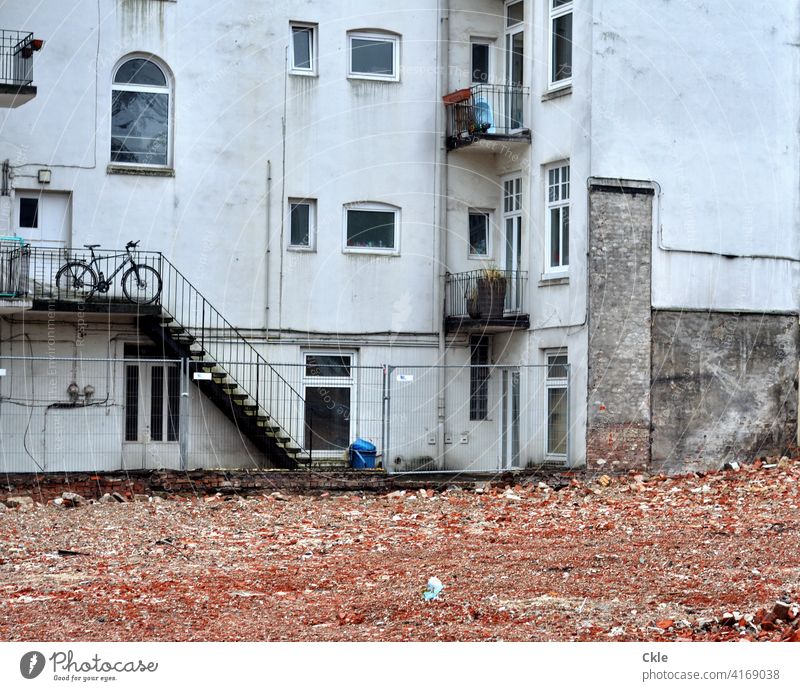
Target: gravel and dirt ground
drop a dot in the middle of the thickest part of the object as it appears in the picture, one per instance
(632, 558)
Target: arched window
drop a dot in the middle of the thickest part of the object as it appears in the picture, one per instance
(140, 108)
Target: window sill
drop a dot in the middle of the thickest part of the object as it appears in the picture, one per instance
(554, 279)
(301, 249)
(116, 169)
(368, 78)
(375, 251)
(298, 73)
(480, 257)
(557, 92)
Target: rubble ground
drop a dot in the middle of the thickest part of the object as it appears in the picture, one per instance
(696, 557)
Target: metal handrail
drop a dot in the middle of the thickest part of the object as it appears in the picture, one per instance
(473, 294)
(16, 57)
(486, 110)
(232, 352)
(182, 302)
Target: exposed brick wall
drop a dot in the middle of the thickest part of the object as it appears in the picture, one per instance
(618, 415)
(46, 487)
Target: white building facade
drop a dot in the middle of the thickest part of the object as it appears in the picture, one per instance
(338, 192)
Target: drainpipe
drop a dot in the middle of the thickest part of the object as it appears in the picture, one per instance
(266, 255)
(440, 205)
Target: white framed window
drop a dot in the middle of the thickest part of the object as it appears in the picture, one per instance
(373, 56)
(480, 60)
(557, 218)
(329, 395)
(371, 227)
(141, 106)
(302, 224)
(560, 49)
(479, 373)
(303, 48)
(557, 403)
(480, 233)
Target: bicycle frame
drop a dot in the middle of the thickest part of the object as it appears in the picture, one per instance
(107, 279)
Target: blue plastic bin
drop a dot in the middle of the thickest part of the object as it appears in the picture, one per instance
(362, 454)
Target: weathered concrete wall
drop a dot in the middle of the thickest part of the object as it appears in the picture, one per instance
(620, 225)
(724, 387)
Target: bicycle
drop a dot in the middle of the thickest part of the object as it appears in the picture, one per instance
(141, 283)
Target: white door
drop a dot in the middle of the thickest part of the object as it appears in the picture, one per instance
(43, 218)
(151, 430)
(509, 417)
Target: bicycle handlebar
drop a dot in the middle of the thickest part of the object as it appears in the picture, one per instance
(132, 244)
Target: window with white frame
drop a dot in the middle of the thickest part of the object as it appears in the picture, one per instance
(557, 217)
(480, 60)
(560, 62)
(373, 55)
(479, 233)
(328, 391)
(557, 391)
(140, 114)
(479, 377)
(303, 48)
(302, 223)
(371, 227)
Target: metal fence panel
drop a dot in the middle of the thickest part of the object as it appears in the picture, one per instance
(84, 414)
(522, 420)
(336, 409)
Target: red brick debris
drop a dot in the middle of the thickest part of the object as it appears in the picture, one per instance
(698, 557)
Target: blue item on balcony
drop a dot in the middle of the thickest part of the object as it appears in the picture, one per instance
(483, 115)
(362, 454)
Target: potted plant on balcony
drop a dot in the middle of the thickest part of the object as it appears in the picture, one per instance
(490, 292)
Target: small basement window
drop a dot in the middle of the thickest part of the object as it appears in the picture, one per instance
(371, 228)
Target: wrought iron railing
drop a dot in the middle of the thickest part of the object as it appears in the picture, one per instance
(45, 283)
(233, 354)
(41, 277)
(14, 261)
(486, 110)
(486, 295)
(16, 57)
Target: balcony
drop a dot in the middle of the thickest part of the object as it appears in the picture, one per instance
(16, 67)
(14, 255)
(487, 112)
(476, 303)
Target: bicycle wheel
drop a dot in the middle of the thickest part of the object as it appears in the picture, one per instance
(75, 281)
(141, 284)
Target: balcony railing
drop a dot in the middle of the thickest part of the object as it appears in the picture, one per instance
(473, 297)
(486, 111)
(14, 256)
(36, 273)
(16, 57)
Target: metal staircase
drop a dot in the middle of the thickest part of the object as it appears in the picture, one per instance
(223, 364)
(228, 369)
